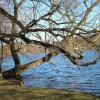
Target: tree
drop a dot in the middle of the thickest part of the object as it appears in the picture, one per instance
(30, 20)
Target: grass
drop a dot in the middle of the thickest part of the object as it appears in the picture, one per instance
(11, 90)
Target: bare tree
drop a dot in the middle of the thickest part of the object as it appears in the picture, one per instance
(30, 20)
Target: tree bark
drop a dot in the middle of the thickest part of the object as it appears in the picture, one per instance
(1, 58)
(15, 72)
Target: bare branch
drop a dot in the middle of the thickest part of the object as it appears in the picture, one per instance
(12, 18)
(36, 62)
(20, 3)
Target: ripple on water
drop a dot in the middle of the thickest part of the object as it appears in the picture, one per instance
(60, 73)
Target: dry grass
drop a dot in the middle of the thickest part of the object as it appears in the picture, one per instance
(10, 90)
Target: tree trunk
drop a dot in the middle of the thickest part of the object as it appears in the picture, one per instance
(15, 72)
(1, 58)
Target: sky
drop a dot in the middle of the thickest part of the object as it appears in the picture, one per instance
(26, 10)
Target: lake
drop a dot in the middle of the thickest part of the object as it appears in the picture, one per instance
(60, 73)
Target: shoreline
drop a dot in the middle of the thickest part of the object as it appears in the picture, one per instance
(10, 90)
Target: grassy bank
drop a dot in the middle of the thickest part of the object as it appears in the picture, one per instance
(11, 90)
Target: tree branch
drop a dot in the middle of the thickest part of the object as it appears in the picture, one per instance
(12, 18)
(35, 63)
(47, 45)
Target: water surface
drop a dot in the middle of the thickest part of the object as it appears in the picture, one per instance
(60, 73)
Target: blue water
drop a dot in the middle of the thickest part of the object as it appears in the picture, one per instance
(60, 73)
(8, 62)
